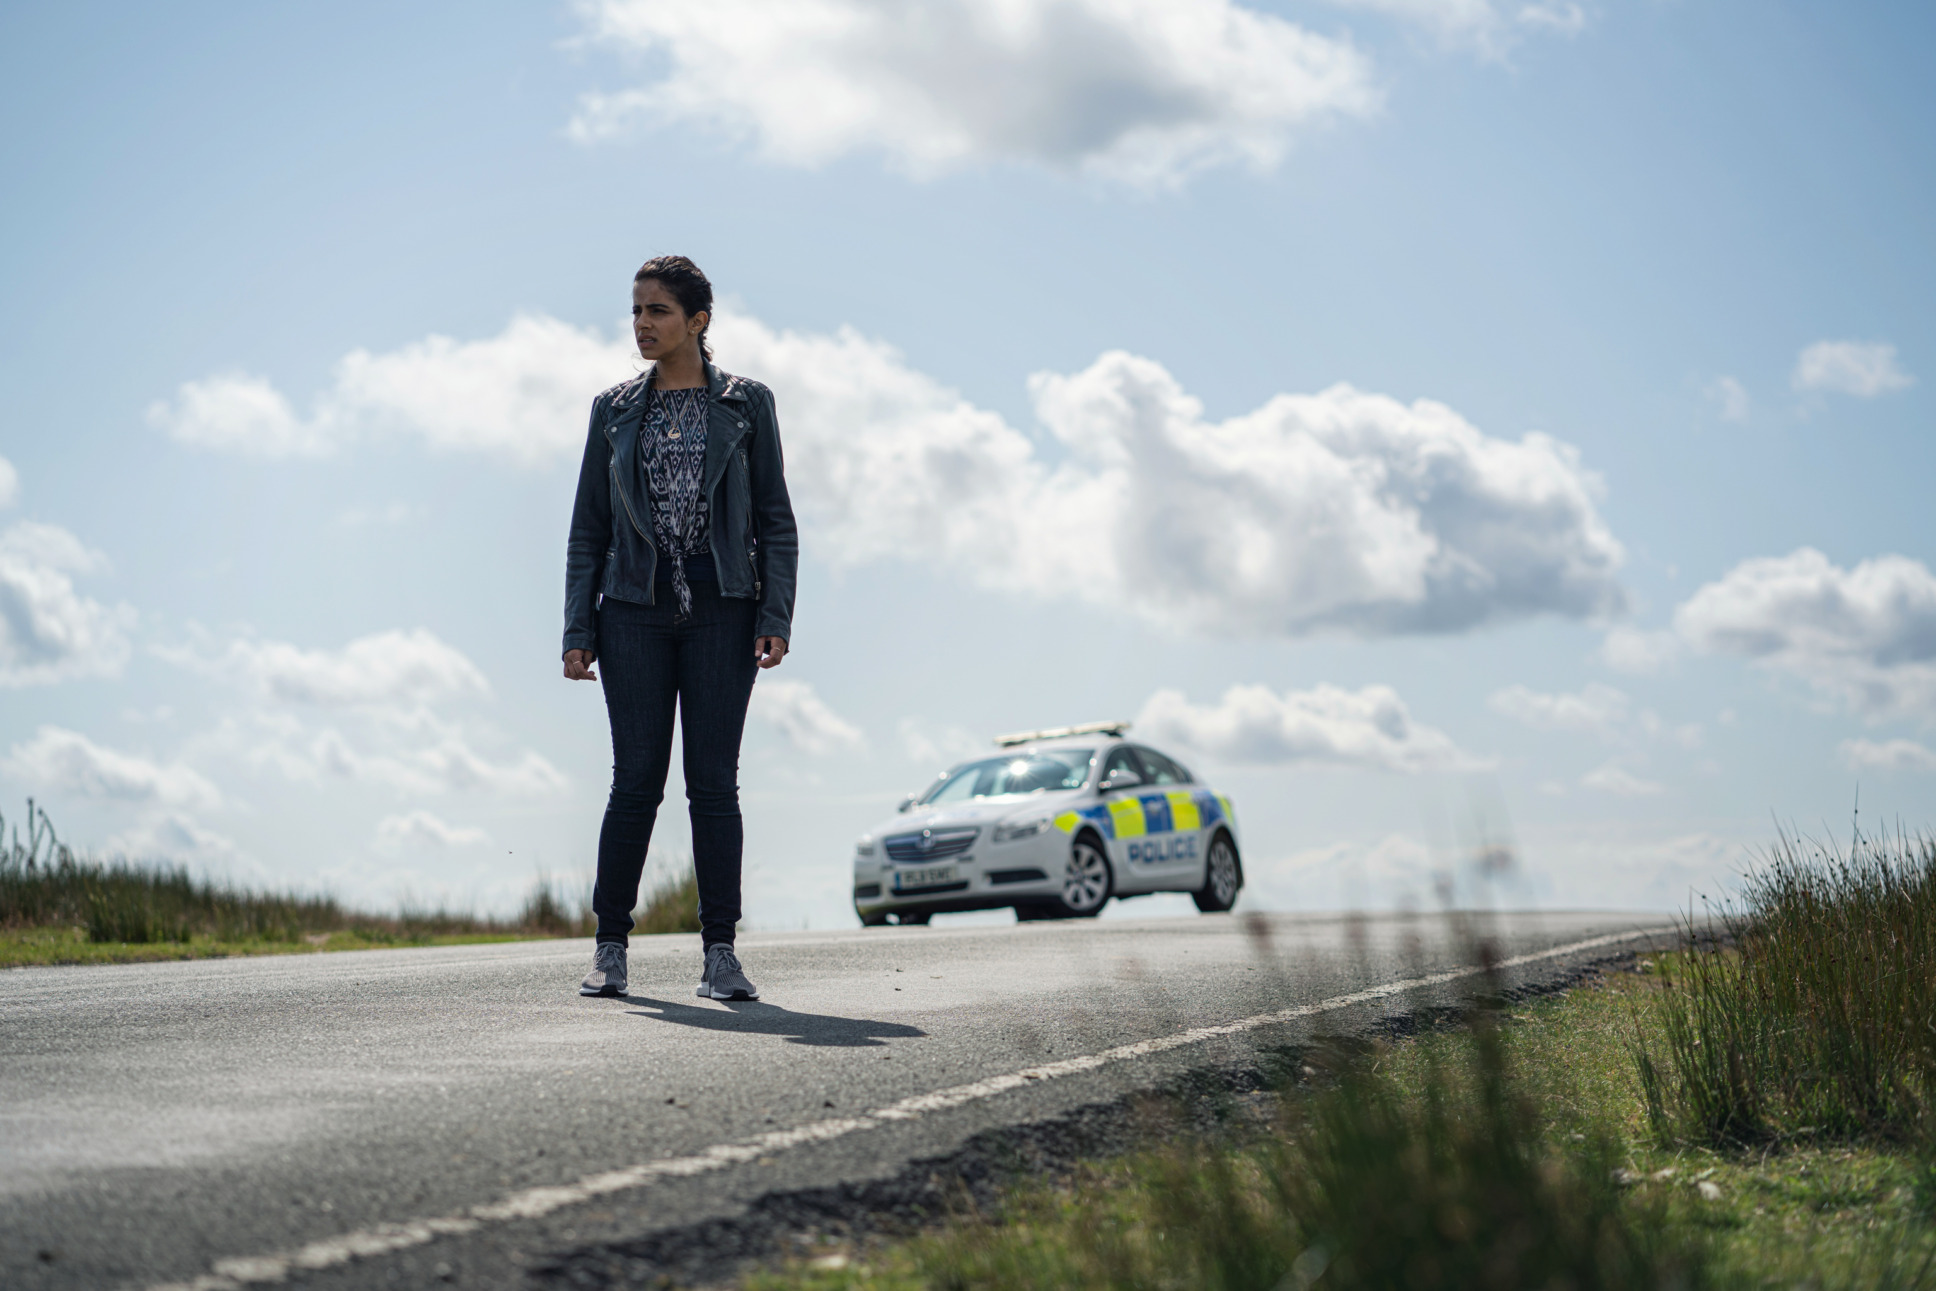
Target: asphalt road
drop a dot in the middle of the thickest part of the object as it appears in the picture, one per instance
(397, 1118)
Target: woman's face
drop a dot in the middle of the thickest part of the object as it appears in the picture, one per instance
(659, 325)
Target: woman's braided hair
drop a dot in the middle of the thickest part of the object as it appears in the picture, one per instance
(688, 286)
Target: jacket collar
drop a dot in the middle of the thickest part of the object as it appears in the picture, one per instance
(720, 384)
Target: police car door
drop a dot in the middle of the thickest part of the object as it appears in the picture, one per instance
(1121, 785)
(1171, 853)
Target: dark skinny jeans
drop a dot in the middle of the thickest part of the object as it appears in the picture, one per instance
(704, 667)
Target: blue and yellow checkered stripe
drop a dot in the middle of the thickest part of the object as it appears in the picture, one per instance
(1178, 810)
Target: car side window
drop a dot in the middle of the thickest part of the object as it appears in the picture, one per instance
(1158, 769)
(1121, 758)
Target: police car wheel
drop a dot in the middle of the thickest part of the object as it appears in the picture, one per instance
(878, 919)
(1223, 876)
(1086, 882)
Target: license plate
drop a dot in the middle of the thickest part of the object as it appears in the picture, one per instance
(925, 877)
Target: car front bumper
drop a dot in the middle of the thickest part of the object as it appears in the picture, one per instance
(993, 876)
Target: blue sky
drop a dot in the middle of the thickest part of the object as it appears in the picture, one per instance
(280, 575)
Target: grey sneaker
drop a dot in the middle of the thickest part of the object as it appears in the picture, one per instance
(608, 971)
(724, 979)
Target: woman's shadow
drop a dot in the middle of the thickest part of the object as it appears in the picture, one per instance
(751, 1017)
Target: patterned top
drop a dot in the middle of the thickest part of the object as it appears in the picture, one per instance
(672, 456)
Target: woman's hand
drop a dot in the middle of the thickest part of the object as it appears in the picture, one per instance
(578, 665)
(769, 651)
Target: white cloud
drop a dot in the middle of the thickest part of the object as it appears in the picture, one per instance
(243, 413)
(1339, 510)
(1866, 637)
(1730, 399)
(522, 394)
(1138, 91)
(802, 716)
(420, 830)
(9, 484)
(1558, 16)
(1887, 755)
(48, 631)
(1323, 726)
(1620, 782)
(1864, 369)
(1633, 650)
(411, 754)
(1483, 26)
(63, 761)
(384, 668)
(381, 688)
(1596, 708)
(175, 837)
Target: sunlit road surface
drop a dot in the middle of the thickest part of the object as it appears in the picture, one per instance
(401, 1118)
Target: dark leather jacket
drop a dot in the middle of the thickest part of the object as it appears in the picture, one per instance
(755, 545)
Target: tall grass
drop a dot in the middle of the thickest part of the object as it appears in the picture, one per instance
(44, 884)
(671, 904)
(1816, 1012)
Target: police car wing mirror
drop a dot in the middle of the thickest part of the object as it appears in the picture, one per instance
(1120, 778)
(906, 803)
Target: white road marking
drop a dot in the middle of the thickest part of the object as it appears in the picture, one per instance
(533, 1203)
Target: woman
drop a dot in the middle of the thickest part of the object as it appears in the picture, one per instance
(679, 584)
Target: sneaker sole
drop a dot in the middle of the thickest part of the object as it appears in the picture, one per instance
(603, 990)
(708, 993)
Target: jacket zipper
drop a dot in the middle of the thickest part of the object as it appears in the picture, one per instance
(752, 553)
(622, 501)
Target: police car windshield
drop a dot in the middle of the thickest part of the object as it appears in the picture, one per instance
(1033, 771)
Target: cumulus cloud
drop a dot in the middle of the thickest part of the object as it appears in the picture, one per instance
(802, 716)
(1622, 783)
(9, 484)
(384, 668)
(1864, 369)
(522, 394)
(62, 761)
(1140, 91)
(1864, 637)
(1339, 510)
(1887, 755)
(176, 837)
(422, 830)
(381, 691)
(1324, 726)
(48, 631)
(1596, 708)
(413, 753)
(1483, 26)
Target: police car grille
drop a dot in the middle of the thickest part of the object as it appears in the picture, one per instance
(942, 843)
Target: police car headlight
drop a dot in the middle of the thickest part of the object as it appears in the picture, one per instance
(865, 847)
(1010, 830)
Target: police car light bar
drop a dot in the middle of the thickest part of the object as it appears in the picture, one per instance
(1061, 732)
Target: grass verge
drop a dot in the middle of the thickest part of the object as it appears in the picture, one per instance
(59, 908)
(1516, 1154)
(21, 947)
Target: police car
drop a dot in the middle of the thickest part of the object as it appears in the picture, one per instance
(1054, 825)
